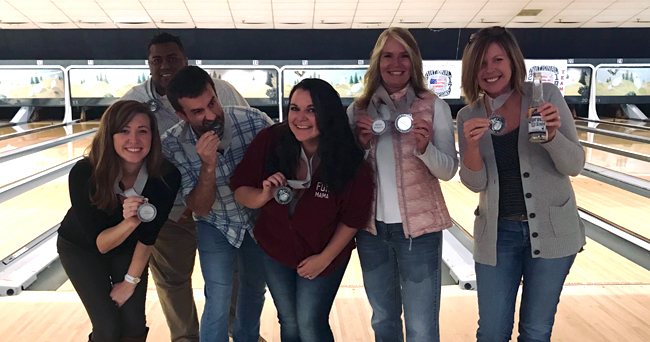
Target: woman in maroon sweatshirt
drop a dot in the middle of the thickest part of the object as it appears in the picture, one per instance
(308, 240)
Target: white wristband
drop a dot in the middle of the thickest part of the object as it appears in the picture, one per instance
(129, 279)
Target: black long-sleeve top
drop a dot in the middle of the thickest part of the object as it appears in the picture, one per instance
(84, 221)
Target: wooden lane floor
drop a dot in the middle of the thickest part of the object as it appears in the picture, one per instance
(621, 207)
(42, 136)
(615, 162)
(602, 313)
(615, 128)
(29, 215)
(595, 265)
(623, 144)
(27, 126)
(33, 163)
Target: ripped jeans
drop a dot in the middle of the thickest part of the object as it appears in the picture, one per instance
(397, 272)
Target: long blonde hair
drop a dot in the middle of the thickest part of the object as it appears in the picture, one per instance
(474, 54)
(372, 79)
(104, 159)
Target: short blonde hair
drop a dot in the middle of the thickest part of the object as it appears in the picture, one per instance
(474, 54)
(372, 79)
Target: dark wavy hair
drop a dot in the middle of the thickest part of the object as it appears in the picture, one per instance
(105, 161)
(188, 82)
(340, 154)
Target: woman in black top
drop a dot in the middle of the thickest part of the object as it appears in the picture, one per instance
(104, 240)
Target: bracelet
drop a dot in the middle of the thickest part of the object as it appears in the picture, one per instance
(129, 279)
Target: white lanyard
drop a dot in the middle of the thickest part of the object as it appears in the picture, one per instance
(306, 183)
(138, 186)
(154, 104)
(499, 101)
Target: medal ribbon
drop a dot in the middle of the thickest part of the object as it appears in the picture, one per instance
(138, 186)
(306, 183)
(499, 101)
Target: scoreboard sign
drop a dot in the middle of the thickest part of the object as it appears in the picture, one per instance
(443, 78)
(553, 71)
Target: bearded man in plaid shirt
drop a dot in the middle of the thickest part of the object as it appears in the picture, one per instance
(206, 146)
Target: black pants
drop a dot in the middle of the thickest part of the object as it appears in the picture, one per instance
(92, 275)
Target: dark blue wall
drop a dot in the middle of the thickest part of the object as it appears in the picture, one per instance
(312, 44)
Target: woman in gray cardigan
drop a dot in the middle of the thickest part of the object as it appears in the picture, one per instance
(527, 223)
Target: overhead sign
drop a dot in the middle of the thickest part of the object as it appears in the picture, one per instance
(553, 71)
(443, 78)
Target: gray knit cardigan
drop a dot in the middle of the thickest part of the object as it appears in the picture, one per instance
(556, 230)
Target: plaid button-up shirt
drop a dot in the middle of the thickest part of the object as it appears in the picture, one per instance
(179, 147)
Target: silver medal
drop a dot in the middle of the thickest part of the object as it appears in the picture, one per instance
(379, 127)
(154, 105)
(404, 123)
(218, 129)
(147, 212)
(497, 124)
(283, 195)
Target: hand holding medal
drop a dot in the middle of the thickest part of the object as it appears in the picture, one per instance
(497, 122)
(283, 188)
(283, 195)
(147, 211)
(274, 187)
(135, 205)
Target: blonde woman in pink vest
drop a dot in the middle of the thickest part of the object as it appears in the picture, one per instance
(527, 224)
(400, 249)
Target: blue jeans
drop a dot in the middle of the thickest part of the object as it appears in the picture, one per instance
(217, 257)
(303, 305)
(401, 272)
(497, 288)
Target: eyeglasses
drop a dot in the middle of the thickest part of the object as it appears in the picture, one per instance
(488, 31)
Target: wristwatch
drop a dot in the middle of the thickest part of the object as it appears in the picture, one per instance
(132, 280)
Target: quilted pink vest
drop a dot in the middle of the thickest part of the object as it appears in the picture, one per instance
(421, 203)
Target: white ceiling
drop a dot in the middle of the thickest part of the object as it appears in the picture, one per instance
(319, 14)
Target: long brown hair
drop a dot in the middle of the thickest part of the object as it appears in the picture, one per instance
(106, 163)
(372, 79)
(474, 54)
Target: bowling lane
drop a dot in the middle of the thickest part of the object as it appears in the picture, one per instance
(461, 202)
(615, 162)
(42, 136)
(621, 207)
(33, 163)
(615, 128)
(26, 217)
(25, 127)
(595, 265)
(620, 143)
